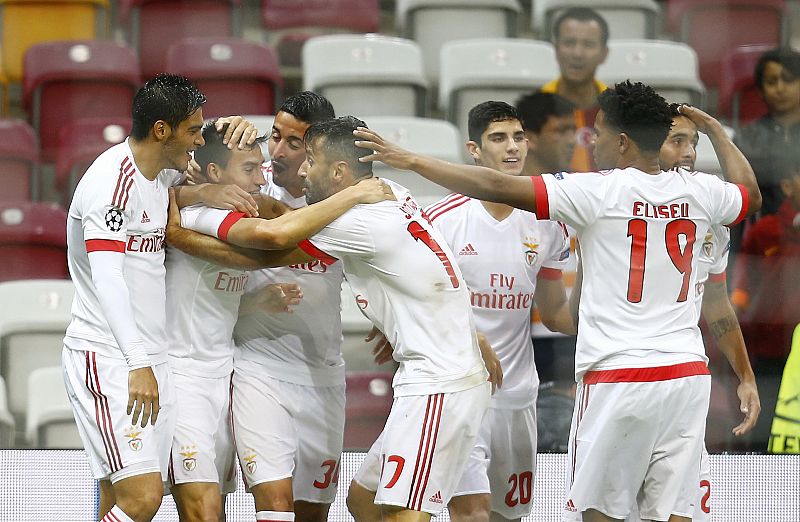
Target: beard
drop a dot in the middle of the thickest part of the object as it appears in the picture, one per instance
(316, 193)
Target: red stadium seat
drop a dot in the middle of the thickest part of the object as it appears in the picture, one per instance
(19, 160)
(237, 76)
(295, 21)
(151, 26)
(739, 98)
(713, 27)
(65, 81)
(369, 399)
(33, 241)
(80, 142)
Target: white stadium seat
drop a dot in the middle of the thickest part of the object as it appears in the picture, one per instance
(625, 18)
(50, 422)
(6, 419)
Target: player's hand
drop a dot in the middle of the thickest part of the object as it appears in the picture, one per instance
(194, 174)
(274, 299)
(382, 150)
(705, 122)
(382, 350)
(492, 363)
(230, 197)
(750, 406)
(372, 190)
(240, 131)
(143, 396)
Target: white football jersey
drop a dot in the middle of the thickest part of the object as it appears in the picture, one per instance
(202, 300)
(116, 208)
(713, 260)
(304, 347)
(500, 261)
(640, 238)
(405, 280)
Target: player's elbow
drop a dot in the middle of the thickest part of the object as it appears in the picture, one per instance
(275, 236)
(754, 205)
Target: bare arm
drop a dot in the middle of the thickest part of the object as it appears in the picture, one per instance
(477, 182)
(228, 197)
(734, 164)
(269, 208)
(724, 326)
(554, 309)
(287, 230)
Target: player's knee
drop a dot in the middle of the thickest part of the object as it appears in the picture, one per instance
(470, 508)
(311, 511)
(360, 503)
(205, 509)
(141, 505)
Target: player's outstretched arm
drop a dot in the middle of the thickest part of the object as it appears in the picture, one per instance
(554, 308)
(721, 319)
(477, 182)
(735, 166)
(291, 228)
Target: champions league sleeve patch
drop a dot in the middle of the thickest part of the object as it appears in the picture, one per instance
(114, 219)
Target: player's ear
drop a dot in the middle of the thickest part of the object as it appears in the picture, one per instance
(624, 142)
(341, 171)
(161, 130)
(474, 150)
(213, 173)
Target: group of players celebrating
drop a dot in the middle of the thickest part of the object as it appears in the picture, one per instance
(229, 341)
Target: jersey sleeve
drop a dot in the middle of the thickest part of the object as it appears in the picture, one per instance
(722, 247)
(106, 211)
(729, 201)
(209, 221)
(575, 199)
(345, 237)
(558, 256)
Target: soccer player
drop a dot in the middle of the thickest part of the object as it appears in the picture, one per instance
(507, 257)
(404, 274)
(549, 126)
(643, 383)
(114, 356)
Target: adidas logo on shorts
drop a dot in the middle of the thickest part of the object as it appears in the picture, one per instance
(570, 506)
(468, 250)
(437, 497)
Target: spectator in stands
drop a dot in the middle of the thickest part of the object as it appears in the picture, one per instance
(580, 37)
(549, 126)
(767, 289)
(777, 76)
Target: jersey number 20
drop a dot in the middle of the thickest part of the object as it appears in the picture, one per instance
(681, 257)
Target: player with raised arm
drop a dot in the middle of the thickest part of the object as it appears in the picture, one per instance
(643, 384)
(403, 272)
(115, 357)
(508, 259)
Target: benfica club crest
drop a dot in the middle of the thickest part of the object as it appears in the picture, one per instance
(188, 453)
(531, 255)
(250, 461)
(708, 245)
(132, 434)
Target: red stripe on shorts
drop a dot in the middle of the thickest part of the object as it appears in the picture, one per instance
(652, 374)
(101, 410)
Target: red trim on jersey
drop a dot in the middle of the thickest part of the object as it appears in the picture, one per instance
(227, 223)
(542, 202)
(105, 245)
(309, 248)
(745, 205)
(445, 206)
(551, 274)
(444, 201)
(110, 517)
(718, 278)
(124, 184)
(652, 374)
(101, 409)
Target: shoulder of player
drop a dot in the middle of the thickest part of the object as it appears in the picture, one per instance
(109, 180)
(449, 205)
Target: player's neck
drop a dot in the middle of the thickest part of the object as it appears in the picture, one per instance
(583, 95)
(647, 164)
(498, 211)
(147, 158)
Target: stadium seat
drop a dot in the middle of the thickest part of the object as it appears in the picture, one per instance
(369, 399)
(151, 26)
(290, 23)
(670, 67)
(19, 161)
(474, 71)
(7, 423)
(430, 137)
(49, 420)
(431, 23)
(33, 242)
(369, 74)
(739, 99)
(625, 18)
(79, 143)
(713, 27)
(65, 81)
(237, 76)
(32, 326)
(25, 23)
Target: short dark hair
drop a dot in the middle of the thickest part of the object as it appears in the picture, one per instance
(167, 97)
(338, 142)
(787, 57)
(535, 109)
(582, 14)
(309, 107)
(639, 111)
(485, 113)
(214, 151)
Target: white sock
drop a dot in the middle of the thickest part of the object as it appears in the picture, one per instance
(117, 515)
(274, 516)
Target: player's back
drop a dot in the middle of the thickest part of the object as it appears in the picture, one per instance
(404, 279)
